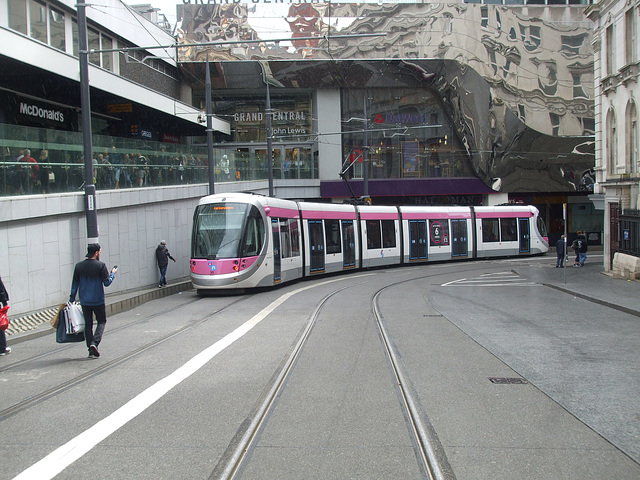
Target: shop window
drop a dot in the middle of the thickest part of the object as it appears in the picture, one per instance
(18, 16)
(490, 230)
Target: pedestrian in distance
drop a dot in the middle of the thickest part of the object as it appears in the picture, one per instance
(560, 252)
(163, 256)
(90, 276)
(579, 246)
(4, 301)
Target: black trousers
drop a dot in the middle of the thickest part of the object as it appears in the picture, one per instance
(100, 312)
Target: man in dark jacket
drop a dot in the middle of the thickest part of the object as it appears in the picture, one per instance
(163, 256)
(89, 277)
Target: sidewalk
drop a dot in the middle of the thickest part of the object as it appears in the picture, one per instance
(37, 324)
(588, 282)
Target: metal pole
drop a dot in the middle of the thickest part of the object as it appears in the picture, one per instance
(269, 132)
(212, 170)
(365, 153)
(85, 104)
(564, 257)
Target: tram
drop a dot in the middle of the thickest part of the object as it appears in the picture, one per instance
(243, 241)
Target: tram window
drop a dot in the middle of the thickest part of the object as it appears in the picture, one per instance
(217, 229)
(294, 235)
(439, 232)
(388, 234)
(374, 238)
(490, 230)
(332, 236)
(508, 230)
(254, 234)
(285, 238)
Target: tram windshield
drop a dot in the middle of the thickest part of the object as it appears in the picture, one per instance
(542, 228)
(218, 231)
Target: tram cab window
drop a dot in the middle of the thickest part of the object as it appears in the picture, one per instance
(217, 229)
(332, 236)
(508, 229)
(490, 230)
(254, 234)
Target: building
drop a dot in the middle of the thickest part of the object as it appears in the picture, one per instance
(617, 169)
(140, 104)
(429, 102)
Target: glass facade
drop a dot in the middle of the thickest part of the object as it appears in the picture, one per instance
(408, 133)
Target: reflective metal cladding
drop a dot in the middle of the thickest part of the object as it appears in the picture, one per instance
(516, 82)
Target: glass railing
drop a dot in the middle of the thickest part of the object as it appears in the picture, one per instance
(55, 163)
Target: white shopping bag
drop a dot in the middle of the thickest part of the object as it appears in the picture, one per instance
(74, 319)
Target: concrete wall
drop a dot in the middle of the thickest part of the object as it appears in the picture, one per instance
(42, 237)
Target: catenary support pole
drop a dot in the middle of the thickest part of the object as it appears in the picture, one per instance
(85, 104)
(212, 170)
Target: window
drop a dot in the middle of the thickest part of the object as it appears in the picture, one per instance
(374, 237)
(571, 44)
(508, 230)
(107, 57)
(332, 236)
(611, 142)
(38, 21)
(388, 234)
(439, 232)
(632, 138)
(578, 91)
(289, 238)
(18, 16)
(253, 235)
(484, 14)
(609, 56)
(94, 44)
(630, 37)
(490, 230)
(555, 124)
(56, 29)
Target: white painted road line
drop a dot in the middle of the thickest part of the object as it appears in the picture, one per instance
(61, 458)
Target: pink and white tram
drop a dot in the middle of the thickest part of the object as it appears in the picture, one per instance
(246, 241)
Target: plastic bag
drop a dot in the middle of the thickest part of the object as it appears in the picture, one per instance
(74, 319)
(4, 319)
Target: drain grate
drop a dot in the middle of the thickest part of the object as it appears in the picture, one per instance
(507, 381)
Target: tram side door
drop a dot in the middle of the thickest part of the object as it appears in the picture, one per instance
(417, 239)
(316, 244)
(525, 235)
(277, 266)
(459, 247)
(348, 244)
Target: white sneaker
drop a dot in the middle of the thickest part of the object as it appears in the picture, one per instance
(6, 352)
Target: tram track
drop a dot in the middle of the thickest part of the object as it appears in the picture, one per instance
(103, 367)
(429, 452)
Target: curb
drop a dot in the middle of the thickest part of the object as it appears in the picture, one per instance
(37, 324)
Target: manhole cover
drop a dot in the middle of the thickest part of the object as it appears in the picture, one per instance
(507, 380)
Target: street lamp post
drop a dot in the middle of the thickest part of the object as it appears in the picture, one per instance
(212, 170)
